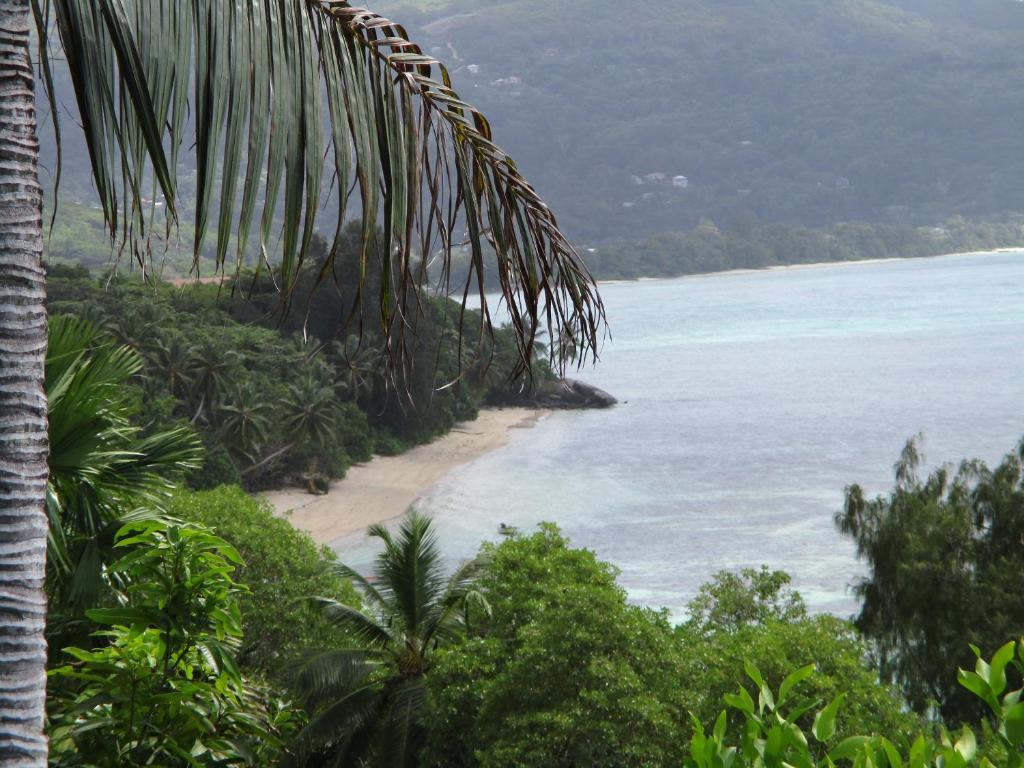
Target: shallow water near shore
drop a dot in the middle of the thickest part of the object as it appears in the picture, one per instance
(748, 402)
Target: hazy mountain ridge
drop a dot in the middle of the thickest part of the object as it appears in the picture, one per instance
(787, 118)
(804, 112)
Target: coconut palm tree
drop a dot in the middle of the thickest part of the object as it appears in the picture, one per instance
(244, 422)
(214, 368)
(314, 97)
(310, 411)
(366, 699)
(359, 365)
(174, 361)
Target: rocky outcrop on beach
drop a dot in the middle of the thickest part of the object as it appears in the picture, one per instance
(572, 393)
(562, 393)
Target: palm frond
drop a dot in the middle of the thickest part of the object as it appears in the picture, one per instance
(100, 467)
(403, 731)
(364, 628)
(337, 725)
(327, 674)
(367, 590)
(409, 570)
(444, 622)
(285, 93)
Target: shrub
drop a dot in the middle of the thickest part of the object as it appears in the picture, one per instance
(160, 685)
(282, 566)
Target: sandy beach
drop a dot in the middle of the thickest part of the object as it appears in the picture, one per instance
(387, 486)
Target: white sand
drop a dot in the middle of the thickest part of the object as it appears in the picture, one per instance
(387, 486)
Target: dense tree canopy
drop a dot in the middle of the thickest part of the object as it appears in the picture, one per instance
(946, 569)
(281, 566)
(562, 673)
(753, 617)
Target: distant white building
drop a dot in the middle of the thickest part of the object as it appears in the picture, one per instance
(473, 68)
(680, 181)
(655, 177)
(511, 80)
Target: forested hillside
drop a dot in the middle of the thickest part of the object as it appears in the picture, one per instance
(796, 112)
(776, 123)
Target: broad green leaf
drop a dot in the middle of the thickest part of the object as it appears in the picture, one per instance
(848, 748)
(793, 679)
(966, 745)
(1013, 724)
(1000, 659)
(825, 721)
(891, 753)
(125, 617)
(740, 700)
(979, 686)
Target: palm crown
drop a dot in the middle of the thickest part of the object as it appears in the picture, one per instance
(369, 696)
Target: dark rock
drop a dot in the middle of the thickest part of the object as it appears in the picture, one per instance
(572, 393)
(564, 393)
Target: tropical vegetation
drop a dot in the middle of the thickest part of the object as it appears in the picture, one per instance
(311, 97)
(946, 570)
(195, 629)
(365, 701)
(287, 399)
(252, 647)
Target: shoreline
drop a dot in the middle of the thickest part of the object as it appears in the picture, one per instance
(810, 265)
(383, 488)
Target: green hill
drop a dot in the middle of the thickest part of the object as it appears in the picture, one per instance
(676, 136)
(795, 112)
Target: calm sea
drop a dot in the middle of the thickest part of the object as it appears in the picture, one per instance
(748, 402)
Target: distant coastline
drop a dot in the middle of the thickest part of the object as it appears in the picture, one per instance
(812, 265)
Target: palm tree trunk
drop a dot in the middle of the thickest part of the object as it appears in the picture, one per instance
(23, 445)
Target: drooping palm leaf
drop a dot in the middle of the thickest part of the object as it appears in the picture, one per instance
(285, 93)
(363, 628)
(325, 675)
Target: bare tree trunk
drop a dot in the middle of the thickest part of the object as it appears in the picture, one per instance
(23, 445)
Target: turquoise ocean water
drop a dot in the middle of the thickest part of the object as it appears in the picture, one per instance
(749, 401)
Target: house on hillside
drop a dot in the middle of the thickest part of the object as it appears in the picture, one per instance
(680, 181)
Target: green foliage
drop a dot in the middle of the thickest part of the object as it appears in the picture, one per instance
(103, 467)
(366, 699)
(160, 685)
(217, 469)
(752, 597)
(281, 566)
(946, 569)
(754, 617)
(562, 672)
(706, 248)
(271, 405)
(989, 682)
(771, 734)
